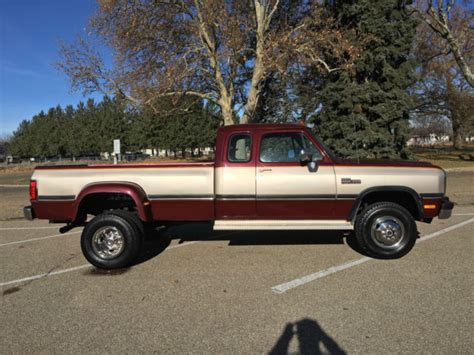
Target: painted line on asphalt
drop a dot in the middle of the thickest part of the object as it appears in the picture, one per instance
(80, 267)
(14, 185)
(36, 239)
(445, 230)
(284, 287)
(463, 214)
(26, 228)
(40, 276)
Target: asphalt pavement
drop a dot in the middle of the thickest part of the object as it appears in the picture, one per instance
(198, 291)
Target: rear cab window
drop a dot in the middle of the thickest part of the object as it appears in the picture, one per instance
(239, 149)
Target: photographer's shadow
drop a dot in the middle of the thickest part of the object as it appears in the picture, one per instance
(312, 339)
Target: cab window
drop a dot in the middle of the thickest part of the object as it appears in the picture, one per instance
(240, 148)
(286, 147)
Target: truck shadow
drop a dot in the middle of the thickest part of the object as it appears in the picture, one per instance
(191, 232)
(157, 241)
(312, 339)
(154, 244)
(204, 232)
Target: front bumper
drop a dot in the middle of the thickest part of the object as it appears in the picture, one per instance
(29, 213)
(446, 208)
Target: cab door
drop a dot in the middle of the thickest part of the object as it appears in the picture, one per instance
(235, 178)
(288, 189)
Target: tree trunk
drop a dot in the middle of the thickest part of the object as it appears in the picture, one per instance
(226, 96)
(455, 113)
(254, 92)
(460, 60)
(458, 139)
(226, 110)
(259, 66)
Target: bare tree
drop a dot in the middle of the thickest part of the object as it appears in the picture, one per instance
(453, 23)
(424, 125)
(216, 50)
(442, 90)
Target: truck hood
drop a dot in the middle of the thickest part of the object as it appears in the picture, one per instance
(385, 162)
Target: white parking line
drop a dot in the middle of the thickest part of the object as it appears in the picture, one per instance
(40, 276)
(35, 239)
(284, 287)
(3, 185)
(25, 228)
(463, 214)
(59, 272)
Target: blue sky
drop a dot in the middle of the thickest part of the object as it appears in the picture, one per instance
(29, 35)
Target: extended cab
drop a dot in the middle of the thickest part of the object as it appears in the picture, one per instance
(264, 177)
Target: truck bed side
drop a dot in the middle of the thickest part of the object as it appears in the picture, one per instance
(183, 191)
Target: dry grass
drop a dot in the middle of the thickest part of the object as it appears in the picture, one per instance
(447, 158)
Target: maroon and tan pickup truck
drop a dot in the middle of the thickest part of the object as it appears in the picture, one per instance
(264, 177)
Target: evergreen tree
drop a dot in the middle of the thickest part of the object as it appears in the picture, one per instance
(365, 112)
(21, 144)
(91, 127)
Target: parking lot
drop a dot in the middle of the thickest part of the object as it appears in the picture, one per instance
(194, 290)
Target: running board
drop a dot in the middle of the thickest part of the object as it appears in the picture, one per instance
(270, 224)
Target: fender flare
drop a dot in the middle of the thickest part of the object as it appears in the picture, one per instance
(136, 193)
(416, 197)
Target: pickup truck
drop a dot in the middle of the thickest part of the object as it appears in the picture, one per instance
(264, 177)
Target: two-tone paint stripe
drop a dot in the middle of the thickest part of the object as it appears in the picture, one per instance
(240, 197)
(56, 197)
(180, 197)
(127, 166)
(233, 197)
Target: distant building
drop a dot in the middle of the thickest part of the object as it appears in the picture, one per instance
(430, 139)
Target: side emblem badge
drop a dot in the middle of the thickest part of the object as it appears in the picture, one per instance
(350, 181)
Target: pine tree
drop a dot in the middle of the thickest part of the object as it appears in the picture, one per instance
(91, 127)
(365, 112)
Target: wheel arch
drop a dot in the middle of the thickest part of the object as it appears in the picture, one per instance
(135, 192)
(402, 195)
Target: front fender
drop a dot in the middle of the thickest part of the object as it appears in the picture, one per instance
(416, 197)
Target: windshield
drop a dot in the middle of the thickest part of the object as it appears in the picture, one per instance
(326, 148)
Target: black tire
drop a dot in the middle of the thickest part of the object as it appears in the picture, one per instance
(132, 218)
(386, 230)
(144, 229)
(126, 241)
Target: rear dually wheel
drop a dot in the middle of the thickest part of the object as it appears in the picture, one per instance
(111, 241)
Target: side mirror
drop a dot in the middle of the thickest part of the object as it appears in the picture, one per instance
(313, 166)
(305, 158)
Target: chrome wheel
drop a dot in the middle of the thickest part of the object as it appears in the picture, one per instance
(388, 232)
(108, 242)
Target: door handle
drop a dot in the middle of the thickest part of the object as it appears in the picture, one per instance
(265, 170)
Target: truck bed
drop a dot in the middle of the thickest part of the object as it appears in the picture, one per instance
(166, 186)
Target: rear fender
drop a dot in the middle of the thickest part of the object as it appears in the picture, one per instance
(136, 193)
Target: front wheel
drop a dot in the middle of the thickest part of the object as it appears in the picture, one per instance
(110, 241)
(386, 230)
